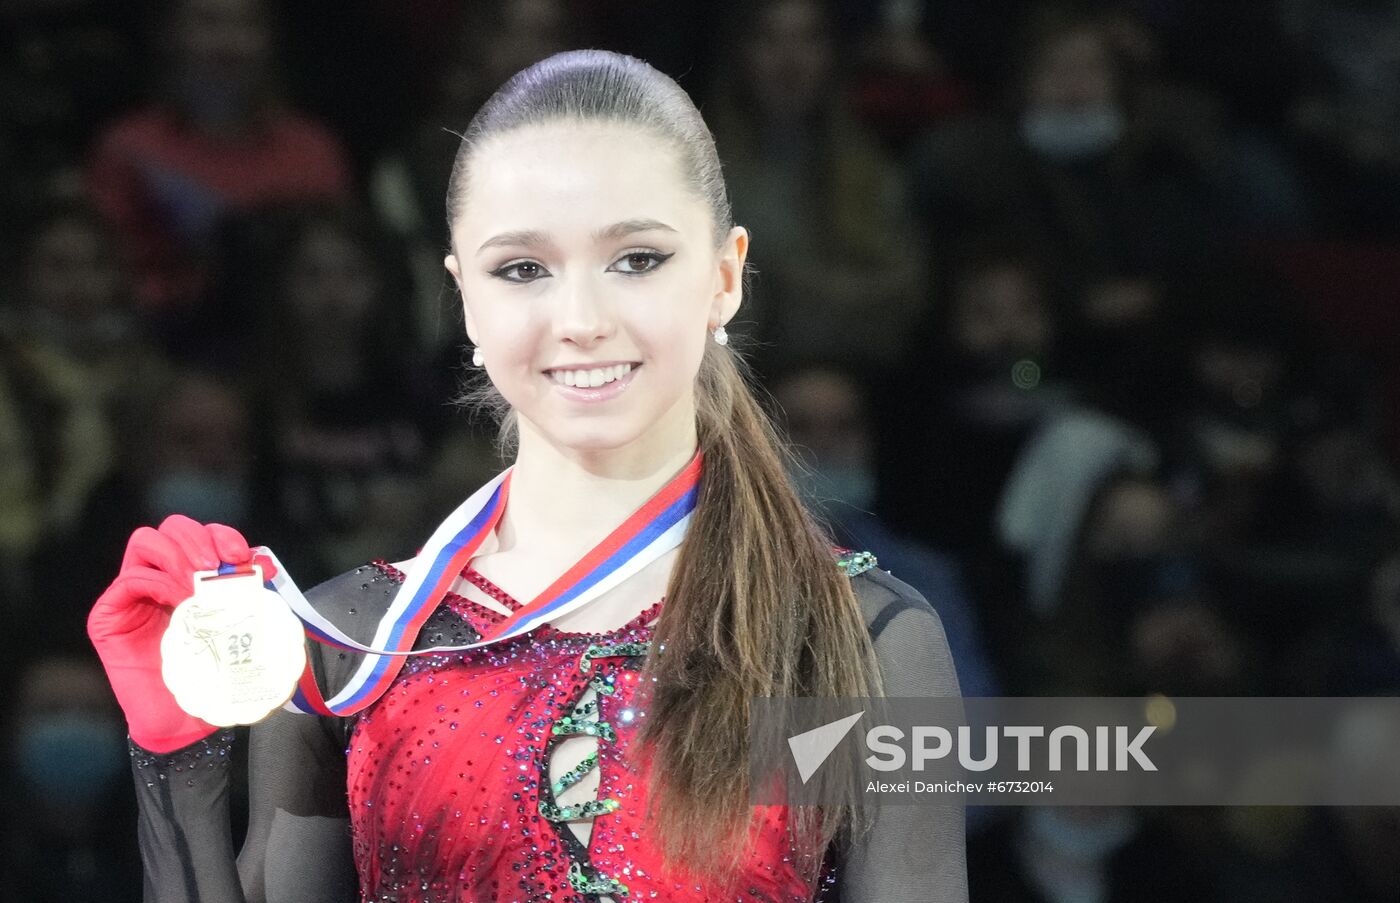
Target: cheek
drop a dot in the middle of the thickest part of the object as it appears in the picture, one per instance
(675, 325)
(502, 329)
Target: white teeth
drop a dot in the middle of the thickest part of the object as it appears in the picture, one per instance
(590, 379)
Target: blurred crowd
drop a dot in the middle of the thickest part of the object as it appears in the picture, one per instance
(1085, 318)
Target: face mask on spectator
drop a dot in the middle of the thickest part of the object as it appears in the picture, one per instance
(1072, 134)
(69, 757)
(204, 497)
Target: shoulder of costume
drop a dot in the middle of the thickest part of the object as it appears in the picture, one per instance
(882, 595)
(355, 602)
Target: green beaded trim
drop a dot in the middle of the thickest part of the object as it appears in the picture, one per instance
(575, 774)
(604, 684)
(586, 809)
(609, 650)
(568, 726)
(584, 710)
(599, 884)
(855, 563)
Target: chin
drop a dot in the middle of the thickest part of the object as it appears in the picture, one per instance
(601, 434)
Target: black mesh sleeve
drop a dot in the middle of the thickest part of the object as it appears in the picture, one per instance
(183, 823)
(912, 854)
(297, 846)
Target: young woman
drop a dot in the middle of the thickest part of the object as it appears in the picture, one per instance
(601, 755)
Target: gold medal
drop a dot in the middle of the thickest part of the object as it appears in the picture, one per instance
(233, 651)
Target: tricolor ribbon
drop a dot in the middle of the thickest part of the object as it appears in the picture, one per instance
(650, 532)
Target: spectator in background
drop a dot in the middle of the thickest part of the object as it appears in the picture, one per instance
(337, 393)
(66, 66)
(1098, 539)
(903, 85)
(828, 420)
(1328, 519)
(496, 40)
(68, 812)
(985, 380)
(195, 457)
(73, 360)
(1109, 179)
(219, 139)
(1237, 401)
(841, 272)
(1123, 347)
(1347, 118)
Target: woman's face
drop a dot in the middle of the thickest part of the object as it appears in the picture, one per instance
(1073, 71)
(331, 283)
(590, 280)
(788, 59)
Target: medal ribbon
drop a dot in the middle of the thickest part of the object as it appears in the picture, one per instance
(650, 532)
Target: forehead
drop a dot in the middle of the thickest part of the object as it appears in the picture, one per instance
(568, 176)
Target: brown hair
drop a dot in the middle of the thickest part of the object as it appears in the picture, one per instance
(755, 604)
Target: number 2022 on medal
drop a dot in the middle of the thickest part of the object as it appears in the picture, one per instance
(233, 651)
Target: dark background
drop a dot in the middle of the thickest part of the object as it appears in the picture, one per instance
(1085, 317)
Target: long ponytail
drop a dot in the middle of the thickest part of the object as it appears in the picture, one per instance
(756, 605)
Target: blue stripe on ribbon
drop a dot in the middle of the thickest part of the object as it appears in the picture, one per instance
(426, 589)
(645, 537)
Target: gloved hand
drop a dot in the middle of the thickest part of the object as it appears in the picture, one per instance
(128, 620)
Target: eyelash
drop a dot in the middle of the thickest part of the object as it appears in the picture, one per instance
(656, 257)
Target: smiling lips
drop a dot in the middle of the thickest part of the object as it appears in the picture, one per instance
(590, 378)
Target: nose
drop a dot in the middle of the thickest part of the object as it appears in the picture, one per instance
(583, 315)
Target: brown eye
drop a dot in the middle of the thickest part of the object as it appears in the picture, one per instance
(638, 262)
(520, 271)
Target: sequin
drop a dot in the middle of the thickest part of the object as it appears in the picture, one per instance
(449, 775)
(853, 564)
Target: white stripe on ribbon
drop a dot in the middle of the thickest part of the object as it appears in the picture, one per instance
(416, 571)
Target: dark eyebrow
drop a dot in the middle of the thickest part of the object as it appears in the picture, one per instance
(535, 238)
(628, 226)
(526, 237)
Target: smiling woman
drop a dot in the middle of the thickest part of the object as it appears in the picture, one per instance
(597, 620)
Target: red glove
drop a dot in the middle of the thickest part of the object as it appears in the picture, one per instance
(129, 619)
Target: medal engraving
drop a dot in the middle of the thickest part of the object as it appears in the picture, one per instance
(233, 651)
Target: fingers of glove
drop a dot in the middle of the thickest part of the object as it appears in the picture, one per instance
(269, 569)
(234, 549)
(156, 585)
(193, 539)
(149, 547)
(229, 544)
(114, 607)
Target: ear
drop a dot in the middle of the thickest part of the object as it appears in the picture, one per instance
(729, 277)
(453, 267)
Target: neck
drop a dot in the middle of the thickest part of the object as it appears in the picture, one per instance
(564, 496)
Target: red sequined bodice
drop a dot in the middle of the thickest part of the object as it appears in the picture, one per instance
(449, 782)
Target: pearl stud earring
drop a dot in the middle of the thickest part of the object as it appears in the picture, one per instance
(478, 359)
(721, 337)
